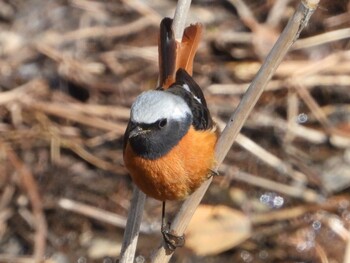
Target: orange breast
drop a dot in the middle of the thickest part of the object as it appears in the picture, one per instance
(178, 173)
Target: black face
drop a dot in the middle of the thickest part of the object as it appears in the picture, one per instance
(159, 137)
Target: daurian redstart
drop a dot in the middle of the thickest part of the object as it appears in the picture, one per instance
(170, 138)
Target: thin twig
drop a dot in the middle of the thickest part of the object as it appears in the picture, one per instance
(287, 38)
(305, 194)
(60, 110)
(17, 259)
(29, 184)
(309, 82)
(313, 106)
(98, 31)
(269, 158)
(321, 253)
(277, 12)
(306, 133)
(144, 9)
(19, 92)
(322, 39)
(133, 224)
(137, 203)
(182, 8)
(292, 114)
(347, 250)
(98, 214)
(245, 14)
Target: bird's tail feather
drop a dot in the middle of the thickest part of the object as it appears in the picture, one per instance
(174, 55)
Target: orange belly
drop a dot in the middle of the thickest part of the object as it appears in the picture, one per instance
(178, 173)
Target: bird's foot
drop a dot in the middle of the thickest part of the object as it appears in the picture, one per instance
(213, 173)
(171, 240)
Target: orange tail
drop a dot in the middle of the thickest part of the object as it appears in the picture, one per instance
(174, 55)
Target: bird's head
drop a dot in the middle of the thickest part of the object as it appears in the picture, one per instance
(158, 121)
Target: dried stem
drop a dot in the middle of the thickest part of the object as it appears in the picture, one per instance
(132, 229)
(137, 203)
(283, 44)
(30, 186)
(322, 39)
(269, 158)
(180, 15)
(277, 12)
(305, 194)
(347, 250)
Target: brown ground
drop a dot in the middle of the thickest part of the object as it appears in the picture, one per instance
(69, 71)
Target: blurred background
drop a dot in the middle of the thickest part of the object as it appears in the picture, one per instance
(69, 71)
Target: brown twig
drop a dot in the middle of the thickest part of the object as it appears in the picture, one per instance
(98, 31)
(98, 213)
(305, 194)
(245, 14)
(269, 158)
(277, 12)
(287, 38)
(52, 133)
(322, 39)
(132, 228)
(292, 114)
(144, 10)
(347, 250)
(13, 258)
(29, 184)
(65, 111)
(19, 92)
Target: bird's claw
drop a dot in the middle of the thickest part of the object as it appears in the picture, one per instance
(213, 173)
(171, 240)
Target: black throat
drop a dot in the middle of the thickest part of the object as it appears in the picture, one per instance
(159, 141)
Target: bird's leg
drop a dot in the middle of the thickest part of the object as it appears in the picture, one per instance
(171, 240)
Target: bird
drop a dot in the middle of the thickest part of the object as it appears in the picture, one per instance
(170, 139)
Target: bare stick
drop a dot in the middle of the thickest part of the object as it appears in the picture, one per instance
(180, 15)
(138, 201)
(287, 38)
(347, 250)
(245, 14)
(269, 158)
(29, 184)
(101, 31)
(59, 110)
(276, 13)
(132, 229)
(322, 38)
(99, 214)
(18, 259)
(285, 41)
(304, 193)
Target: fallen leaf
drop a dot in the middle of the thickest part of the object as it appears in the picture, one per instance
(214, 229)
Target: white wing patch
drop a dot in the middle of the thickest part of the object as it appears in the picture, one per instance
(151, 106)
(186, 87)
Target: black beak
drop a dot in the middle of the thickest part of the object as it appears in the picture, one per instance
(136, 131)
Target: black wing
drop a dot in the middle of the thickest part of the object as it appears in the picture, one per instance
(194, 98)
(184, 78)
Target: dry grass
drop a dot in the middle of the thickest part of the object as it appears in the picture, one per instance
(71, 69)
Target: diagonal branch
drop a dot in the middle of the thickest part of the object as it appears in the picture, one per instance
(289, 35)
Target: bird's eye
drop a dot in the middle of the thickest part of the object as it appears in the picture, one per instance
(162, 123)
